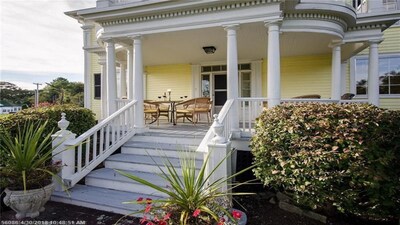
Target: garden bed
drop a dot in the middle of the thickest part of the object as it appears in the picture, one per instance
(257, 207)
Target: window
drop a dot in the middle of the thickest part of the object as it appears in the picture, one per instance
(97, 85)
(389, 75)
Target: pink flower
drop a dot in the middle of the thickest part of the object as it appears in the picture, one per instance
(221, 221)
(167, 216)
(147, 209)
(162, 222)
(196, 213)
(139, 200)
(236, 214)
(143, 220)
(148, 200)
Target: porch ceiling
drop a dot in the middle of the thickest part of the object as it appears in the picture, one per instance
(185, 47)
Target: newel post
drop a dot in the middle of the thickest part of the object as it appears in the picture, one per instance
(62, 153)
(218, 149)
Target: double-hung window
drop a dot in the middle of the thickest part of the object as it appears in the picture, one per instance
(389, 75)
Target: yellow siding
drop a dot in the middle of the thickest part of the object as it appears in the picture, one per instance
(390, 103)
(303, 75)
(96, 68)
(178, 78)
(391, 42)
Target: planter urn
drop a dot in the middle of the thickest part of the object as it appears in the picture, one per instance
(28, 203)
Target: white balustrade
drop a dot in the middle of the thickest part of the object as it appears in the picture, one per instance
(99, 142)
(122, 102)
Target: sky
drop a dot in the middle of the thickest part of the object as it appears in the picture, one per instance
(39, 43)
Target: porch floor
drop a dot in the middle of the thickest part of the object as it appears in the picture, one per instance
(186, 129)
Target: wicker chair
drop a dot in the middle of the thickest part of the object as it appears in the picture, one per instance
(151, 112)
(192, 109)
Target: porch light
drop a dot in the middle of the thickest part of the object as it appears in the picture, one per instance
(209, 49)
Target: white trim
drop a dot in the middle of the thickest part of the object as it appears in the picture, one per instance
(196, 81)
(256, 78)
(353, 74)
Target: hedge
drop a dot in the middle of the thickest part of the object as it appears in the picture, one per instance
(325, 156)
(81, 119)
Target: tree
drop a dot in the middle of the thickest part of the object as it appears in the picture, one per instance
(61, 91)
(13, 94)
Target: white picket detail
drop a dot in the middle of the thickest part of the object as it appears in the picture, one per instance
(96, 144)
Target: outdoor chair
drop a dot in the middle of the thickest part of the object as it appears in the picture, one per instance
(314, 96)
(347, 96)
(192, 109)
(164, 109)
(151, 112)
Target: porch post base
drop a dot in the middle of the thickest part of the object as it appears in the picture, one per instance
(140, 129)
(236, 133)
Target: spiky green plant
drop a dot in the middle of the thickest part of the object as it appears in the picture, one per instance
(28, 157)
(192, 198)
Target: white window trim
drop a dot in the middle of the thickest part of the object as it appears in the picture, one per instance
(353, 75)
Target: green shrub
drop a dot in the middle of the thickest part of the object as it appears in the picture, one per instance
(329, 155)
(81, 119)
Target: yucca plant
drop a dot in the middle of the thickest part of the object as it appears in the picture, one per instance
(192, 199)
(28, 157)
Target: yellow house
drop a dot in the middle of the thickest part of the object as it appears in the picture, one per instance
(243, 54)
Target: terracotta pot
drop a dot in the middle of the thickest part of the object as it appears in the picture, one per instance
(29, 203)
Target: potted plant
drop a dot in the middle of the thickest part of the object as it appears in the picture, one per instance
(28, 169)
(192, 199)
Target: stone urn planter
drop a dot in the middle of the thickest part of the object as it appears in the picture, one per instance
(30, 202)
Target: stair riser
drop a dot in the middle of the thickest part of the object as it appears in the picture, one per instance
(106, 208)
(155, 152)
(123, 186)
(168, 140)
(138, 167)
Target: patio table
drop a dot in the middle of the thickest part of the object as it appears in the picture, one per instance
(171, 108)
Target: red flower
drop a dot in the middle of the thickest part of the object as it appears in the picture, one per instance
(167, 216)
(148, 200)
(162, 222)
(150, 223)
(143, 220)
(236, 214)
(147, 209)
(139, 200)
(221, 221)
(196, 213)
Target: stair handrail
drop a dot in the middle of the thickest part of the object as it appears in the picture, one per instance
(223, 119)
(92, 150)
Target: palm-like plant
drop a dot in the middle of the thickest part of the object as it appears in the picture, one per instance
(28, 162)
(192, 199)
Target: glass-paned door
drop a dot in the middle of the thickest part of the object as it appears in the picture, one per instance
(219, 92)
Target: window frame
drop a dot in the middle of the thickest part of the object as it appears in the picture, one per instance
(96, 86)
(353, 83)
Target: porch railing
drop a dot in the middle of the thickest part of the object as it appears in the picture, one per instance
(96, 144)
(251, 108)
(122, 102)
(224, 119)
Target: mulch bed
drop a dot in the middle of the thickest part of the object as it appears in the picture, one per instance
(257, 208)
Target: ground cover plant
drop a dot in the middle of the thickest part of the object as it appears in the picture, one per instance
(332, 157)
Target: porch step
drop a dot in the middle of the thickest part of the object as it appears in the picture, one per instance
(142, 155)
(143, 163)
(178, 139)
(111, 179)
(101, 199)
(159, 149)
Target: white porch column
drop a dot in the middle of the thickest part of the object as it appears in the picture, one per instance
(130, 72)
(111, 77)
(274, 65)
(336, 83)
(122, 91)
(87, 81)
(343, 79)
(233, 76)
(138, 82)
(373, 73)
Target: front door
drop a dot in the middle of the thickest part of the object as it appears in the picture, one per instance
(219, 94)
